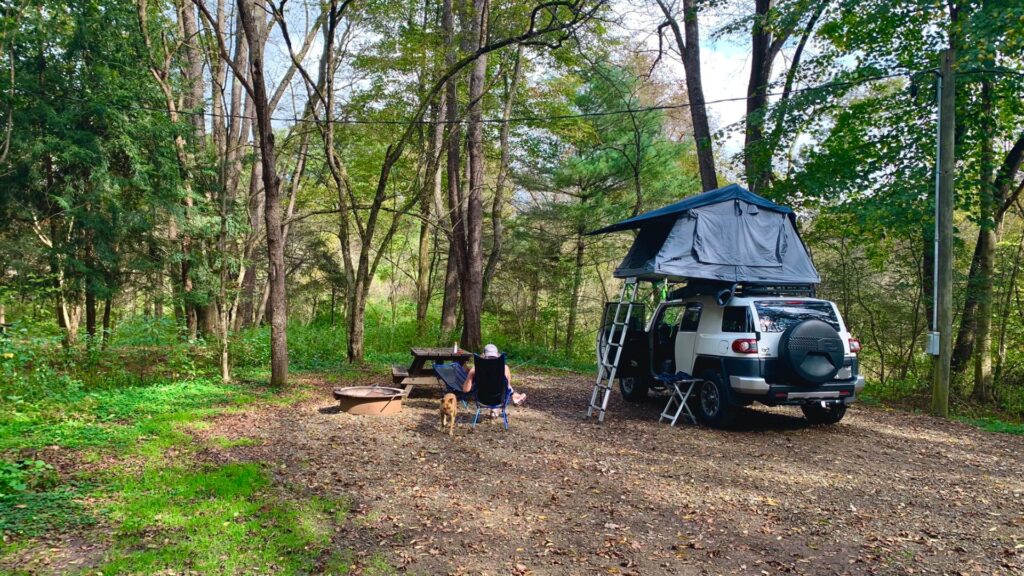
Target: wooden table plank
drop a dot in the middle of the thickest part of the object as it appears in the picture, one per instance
(419, 373)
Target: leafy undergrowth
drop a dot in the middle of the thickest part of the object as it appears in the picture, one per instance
(914, 395)
(35, 513)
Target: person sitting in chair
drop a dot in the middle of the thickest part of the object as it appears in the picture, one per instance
(491, 351)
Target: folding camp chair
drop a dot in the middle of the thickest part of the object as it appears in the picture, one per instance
(490, 387)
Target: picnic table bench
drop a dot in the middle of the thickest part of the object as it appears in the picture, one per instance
(419, 372)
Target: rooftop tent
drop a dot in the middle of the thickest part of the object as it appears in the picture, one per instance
(729, 235)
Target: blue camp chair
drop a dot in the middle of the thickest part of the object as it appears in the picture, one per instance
(490, 387)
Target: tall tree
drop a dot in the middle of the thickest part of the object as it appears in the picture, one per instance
(771, 28)
(472, 273)
(250, 14)
(687, 39)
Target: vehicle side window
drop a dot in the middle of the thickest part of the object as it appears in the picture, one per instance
(737, 319)
(691, 317)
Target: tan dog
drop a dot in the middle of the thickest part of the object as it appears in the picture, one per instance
(449, 409)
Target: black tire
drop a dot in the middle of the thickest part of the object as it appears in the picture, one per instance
(815, 414)
(714, 404)
(633, 389)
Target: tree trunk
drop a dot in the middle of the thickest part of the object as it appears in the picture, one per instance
(499, 186)
(754, 159)
(987, 240)
(423, 270)
(431, 192)
(577, 281)
(334, 299)
(207, 317)
(278, 310)
(194, 102)
(450, 303)
(1004, 313)
(244, 316)
(1003, 200)
(689, 48)
(472, 281)
(69, 315)
(457, 246)
(90, 313)
(106, 321)
(983, 349)
(356, 323)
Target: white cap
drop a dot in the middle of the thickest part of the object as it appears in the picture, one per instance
(491, 351)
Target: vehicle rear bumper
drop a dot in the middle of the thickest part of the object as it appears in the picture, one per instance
(758, 389)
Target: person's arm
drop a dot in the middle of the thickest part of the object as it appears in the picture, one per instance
(468, 384)
(508, 376)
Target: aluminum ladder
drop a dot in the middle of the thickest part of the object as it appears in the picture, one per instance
(608, 365)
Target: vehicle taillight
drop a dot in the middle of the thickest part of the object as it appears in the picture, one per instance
(744, 346)
(854, 345)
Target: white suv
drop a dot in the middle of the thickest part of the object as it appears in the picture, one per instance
(773, 349)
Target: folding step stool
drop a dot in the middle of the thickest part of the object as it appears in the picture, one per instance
(681, 385)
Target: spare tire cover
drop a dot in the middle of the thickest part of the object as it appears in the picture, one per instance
(811, 351)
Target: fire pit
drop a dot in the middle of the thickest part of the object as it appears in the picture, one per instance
(372, 400)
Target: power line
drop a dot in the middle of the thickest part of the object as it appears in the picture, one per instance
(512, 120)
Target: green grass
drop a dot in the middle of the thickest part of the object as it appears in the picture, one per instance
(216, 520)
(158, 509)
(118, 417)
(225, 443)
(990, 424)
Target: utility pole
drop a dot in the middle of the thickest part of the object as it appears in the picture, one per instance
(944, 235)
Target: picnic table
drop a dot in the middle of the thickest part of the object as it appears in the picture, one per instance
(419, 372)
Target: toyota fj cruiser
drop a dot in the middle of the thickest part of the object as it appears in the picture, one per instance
(777, 346)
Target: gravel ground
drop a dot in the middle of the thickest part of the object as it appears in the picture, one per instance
(883, 492)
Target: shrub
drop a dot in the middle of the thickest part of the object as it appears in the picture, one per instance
(25, 475)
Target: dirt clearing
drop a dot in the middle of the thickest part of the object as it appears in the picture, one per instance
(882, 492)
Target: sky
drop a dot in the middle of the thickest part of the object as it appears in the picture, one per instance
(725, 65)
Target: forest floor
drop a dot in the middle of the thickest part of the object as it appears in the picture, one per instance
(882, 492)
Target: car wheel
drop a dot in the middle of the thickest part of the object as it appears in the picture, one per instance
(815, 414)
(714, 406)
(633, 389)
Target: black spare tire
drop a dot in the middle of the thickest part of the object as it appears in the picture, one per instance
(811, 352)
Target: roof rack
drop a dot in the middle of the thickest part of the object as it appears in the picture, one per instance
(775, 290)
(722, 291)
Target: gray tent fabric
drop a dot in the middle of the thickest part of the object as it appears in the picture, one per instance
(758, 237)
(730, 240)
